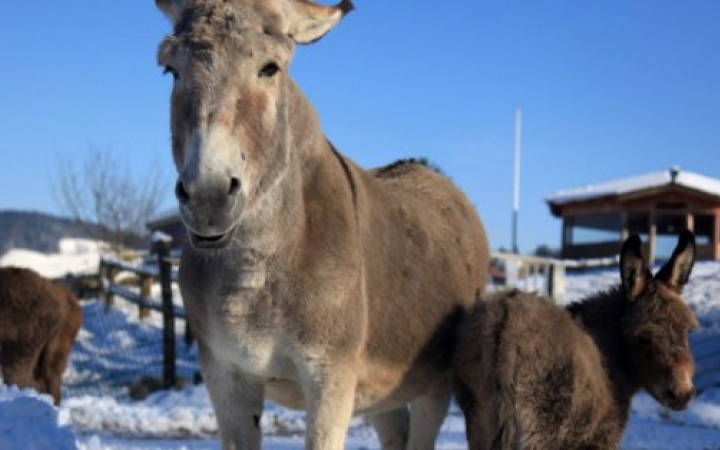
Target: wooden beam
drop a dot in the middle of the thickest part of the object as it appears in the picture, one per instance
(716, 235)
(624, 232)
(652, 238)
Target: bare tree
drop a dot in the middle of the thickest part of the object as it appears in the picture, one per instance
(111, 202)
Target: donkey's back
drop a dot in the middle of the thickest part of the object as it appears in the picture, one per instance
(523, 354)
(30, 310)
(39, 321)
(564, 378)
(425, 263)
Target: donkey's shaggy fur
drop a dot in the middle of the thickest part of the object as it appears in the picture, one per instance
(530, 374)
(39, 321)
(308, 280)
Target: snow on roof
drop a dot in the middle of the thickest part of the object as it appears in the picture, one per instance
(671, 176)
(163, 217)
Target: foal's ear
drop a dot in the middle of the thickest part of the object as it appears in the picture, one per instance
(633, 270)
(676, 272)
(309, 21)
(171, 8)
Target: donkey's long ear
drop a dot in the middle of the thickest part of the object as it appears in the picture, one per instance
(633, 270)
(310, 21)
(172, 9)
(676, 272)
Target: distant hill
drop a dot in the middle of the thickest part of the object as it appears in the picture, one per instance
(35, 231)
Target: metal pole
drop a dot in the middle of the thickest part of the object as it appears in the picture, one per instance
(516, 179)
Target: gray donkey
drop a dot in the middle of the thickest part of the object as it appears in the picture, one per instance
(307, 280)
(533, 375)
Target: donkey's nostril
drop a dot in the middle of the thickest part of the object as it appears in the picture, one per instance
(181, 193)
(670, 395)
(234, 186)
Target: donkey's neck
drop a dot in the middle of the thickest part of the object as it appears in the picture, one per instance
(601, 316)
(312, 167)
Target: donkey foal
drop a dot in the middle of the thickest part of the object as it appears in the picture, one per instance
(532, 375)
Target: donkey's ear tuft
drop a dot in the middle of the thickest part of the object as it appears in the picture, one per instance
(633, 270)
(172, 9)
(676, 272)
(309, 21)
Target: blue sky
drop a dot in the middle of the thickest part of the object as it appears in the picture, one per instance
(608, 89)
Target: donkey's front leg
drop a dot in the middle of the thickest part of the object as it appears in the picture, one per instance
(237, 399)
(329, 392)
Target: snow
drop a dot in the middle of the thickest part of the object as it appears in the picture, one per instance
(690, 180)
(108, 419)
(76, 256)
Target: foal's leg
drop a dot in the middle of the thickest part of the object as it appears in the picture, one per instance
(427, 415)
(391, 428)
(329, 391)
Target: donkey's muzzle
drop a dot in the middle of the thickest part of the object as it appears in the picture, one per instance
(210, 208)
(678, 400)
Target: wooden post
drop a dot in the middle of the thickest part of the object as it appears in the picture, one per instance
(146, 284)
(624, 232)
(652, 238)
(162, 248)
(690, 221)
(556, 282)
(189, 337)
(566, 237)
(110, 273)
(716, 235)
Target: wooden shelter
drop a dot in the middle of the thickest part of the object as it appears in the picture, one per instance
(170, 223)
(657, 206)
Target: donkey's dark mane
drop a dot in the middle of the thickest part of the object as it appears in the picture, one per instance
(604, 316)
(607, 305)
(403, 166)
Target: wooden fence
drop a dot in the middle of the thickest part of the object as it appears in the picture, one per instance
(529, 273)
(544, 275)
(145, 278)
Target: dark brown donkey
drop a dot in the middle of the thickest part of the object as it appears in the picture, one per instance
(307, 280)
(533, 375)
(39, 321)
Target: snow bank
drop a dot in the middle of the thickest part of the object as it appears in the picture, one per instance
(30, 421)
(185, 419)
(75, 256)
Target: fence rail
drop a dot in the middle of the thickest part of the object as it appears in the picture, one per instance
(530, 273)
(146, 276)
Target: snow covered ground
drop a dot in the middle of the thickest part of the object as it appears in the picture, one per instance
(183, 419)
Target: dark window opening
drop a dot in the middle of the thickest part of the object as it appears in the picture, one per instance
(704, 228)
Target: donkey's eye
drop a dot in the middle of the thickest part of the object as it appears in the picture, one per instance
(170, 70)
(646, 339)
(269, 70)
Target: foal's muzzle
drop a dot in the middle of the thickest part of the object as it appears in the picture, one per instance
(678, 400)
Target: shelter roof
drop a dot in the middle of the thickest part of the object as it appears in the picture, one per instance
(673, 176)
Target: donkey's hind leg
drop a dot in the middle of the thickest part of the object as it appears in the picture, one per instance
(53, 361)
(427, 415)
(18, 361)
(392, 428)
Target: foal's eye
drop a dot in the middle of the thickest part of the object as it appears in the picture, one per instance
(170, 70)
(269, 70)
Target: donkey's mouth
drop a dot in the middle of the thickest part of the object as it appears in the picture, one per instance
(677, 401)
(210, 242)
